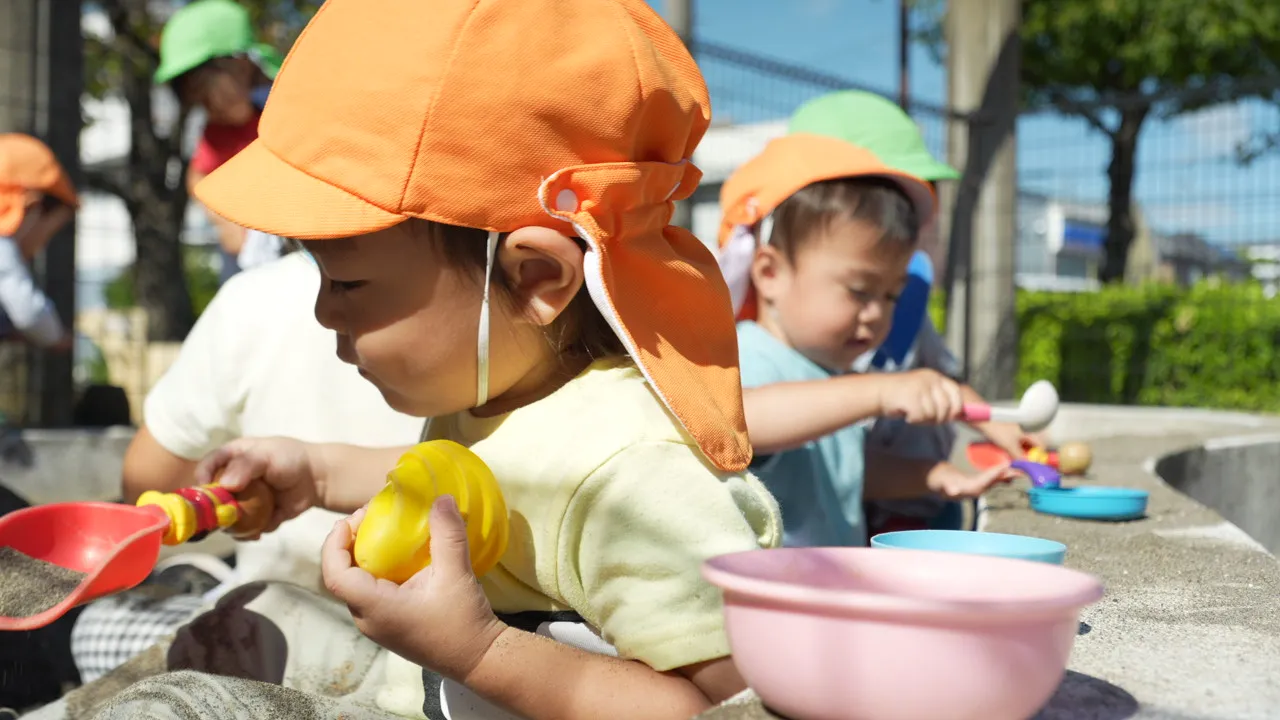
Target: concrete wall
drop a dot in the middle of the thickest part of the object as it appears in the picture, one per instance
(63, 465)
(1237, 477)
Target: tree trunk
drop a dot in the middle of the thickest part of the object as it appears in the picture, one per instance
(157, 203)
(159, 279)
(1120, 173)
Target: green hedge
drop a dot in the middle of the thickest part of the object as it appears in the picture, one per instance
(1212, 345)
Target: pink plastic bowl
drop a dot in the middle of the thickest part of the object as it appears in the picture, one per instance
(864, 634)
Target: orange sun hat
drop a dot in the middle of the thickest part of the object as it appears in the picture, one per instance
(27, 164)
(785, 166)
(577, 115)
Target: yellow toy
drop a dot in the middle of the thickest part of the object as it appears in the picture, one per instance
(393, 541)
(197, 511)
(1038, 454)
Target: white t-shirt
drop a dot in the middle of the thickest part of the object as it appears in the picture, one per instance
(258, 364)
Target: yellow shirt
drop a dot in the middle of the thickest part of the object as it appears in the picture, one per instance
(613, 511)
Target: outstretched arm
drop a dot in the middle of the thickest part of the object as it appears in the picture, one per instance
(786, 415)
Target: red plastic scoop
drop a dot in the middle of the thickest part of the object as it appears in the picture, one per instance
(984, 455)
(116, 546)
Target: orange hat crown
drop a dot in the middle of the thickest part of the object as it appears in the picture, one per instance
(28, 164)
(579, 115)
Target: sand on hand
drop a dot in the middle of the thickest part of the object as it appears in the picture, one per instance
(29, 586)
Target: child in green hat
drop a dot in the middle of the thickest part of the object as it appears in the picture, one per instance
(211, 59)
(879, 125)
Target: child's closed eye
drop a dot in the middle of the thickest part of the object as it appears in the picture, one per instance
(346, 285)
(863, 296)
(869, 296)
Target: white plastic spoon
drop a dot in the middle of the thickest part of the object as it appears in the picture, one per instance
(1038, 407)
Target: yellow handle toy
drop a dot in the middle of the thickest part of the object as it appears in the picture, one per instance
(393, 541)
(1038, 455)
(197, 511)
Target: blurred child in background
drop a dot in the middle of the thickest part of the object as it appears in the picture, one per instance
(879, 125)
(816, 237)
(36, 201)
(211, 59)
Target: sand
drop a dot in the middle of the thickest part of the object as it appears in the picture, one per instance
(29, 586)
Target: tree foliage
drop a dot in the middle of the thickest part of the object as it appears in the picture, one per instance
(119, 64)
(1118, 63)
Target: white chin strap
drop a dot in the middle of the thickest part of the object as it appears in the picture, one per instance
(482, 342)
(736, 256)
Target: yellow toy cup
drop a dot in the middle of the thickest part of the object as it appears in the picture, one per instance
(394, 539)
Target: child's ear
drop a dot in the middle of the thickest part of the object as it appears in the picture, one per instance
(767, 269)
(544, 270)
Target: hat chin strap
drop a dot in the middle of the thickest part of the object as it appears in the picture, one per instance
(482, 342)
(766, 229)
(736, 256)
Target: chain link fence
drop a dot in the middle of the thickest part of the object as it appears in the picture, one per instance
(111, 345)
(1203, 269)
(1202, 212)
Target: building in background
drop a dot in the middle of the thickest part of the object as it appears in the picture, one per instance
(1263, 260)
(1059, 243)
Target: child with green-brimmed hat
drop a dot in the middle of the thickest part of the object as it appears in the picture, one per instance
(211, 58)
(878, 124)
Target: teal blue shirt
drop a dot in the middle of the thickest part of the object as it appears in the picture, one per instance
(819, 485)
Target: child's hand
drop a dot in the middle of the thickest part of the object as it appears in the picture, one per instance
(921, 397)
(948, 480)
(284, 465)
(1008, 437)
(439, 618)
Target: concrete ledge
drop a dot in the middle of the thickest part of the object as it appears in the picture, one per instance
(71, 464)
(1238, 477)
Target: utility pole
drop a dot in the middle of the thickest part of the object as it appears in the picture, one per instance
(982, 41)
(17, 23)
(680, 17)
(41, 78)
(904, 55)
(59, 85)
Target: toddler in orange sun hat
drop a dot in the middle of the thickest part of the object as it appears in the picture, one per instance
(816, 236)
(487, 188)
(36, 201)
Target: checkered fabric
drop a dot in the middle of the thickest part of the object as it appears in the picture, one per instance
(112, 630)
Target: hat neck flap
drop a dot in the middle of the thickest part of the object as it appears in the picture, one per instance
(661, 291)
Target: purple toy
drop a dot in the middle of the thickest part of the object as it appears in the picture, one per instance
(1042, 476)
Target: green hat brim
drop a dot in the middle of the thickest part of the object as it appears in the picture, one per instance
(923, 166)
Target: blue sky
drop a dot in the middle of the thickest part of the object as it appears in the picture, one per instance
(1187, 177)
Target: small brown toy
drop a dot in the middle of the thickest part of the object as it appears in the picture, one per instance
(1074, 458)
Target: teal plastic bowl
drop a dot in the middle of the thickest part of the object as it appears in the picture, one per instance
(1018, 547)
(1091, 502)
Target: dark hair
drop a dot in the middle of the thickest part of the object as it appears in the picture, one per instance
(49, 203)
(222, 64)
(877, 201)
(217, 64)
(580, 329)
